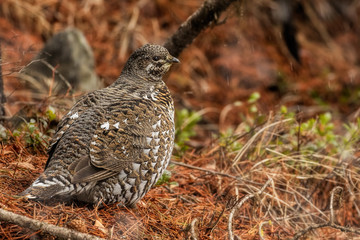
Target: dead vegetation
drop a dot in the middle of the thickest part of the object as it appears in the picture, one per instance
(269, 193)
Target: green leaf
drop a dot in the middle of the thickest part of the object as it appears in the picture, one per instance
(50, 113)
(254, 97)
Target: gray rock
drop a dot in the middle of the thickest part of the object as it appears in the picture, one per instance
(70, 57)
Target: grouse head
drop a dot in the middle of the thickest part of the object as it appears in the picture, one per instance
(150, 62)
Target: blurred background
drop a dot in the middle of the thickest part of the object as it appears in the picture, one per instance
(301, 54)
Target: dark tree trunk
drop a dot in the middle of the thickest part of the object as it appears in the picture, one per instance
(198, 21)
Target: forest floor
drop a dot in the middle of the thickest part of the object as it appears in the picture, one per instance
(266, 147)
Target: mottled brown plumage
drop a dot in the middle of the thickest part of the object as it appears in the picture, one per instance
(114, 144)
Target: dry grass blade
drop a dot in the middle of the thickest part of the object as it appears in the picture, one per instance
(253, 138)
(261, 232)
(247, 197)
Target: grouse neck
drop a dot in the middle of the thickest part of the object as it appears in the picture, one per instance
(139, 85)
(130, 78)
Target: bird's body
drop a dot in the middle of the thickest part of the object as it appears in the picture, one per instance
(115, 143)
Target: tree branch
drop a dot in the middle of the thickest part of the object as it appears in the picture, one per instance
(198, 21)
(35, 225)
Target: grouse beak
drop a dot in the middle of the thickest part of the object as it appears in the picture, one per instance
(173, 60)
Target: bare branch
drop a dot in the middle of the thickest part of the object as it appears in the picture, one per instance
(35, 225)
(198, 21)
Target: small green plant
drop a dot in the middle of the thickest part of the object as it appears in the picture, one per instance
(228, 140)
(36, 133)
(284, 137)
(254, 116)
(184, 124)
(320, 132)
(285, 113)
(254, 97)
(317, 136)
(32, 135)
(50, 114)
(165, 179)
(350, 141)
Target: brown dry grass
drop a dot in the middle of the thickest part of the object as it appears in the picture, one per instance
(202, 200)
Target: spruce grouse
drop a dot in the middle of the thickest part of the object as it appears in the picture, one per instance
(114, 143)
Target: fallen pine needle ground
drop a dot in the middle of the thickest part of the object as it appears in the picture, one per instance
(267, 193)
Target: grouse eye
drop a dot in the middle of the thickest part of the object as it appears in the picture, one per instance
(156, 58)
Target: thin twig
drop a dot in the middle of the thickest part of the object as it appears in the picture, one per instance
(261, 234)
(30, 79)
(194, 235)
(330, 223)
(231, 234)
(218, 219)
(247, 197)
(36, 225)
(52, 80)
(206, 170)
(317, 226)
(335, 189)
(350, 185)
(215, 173)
